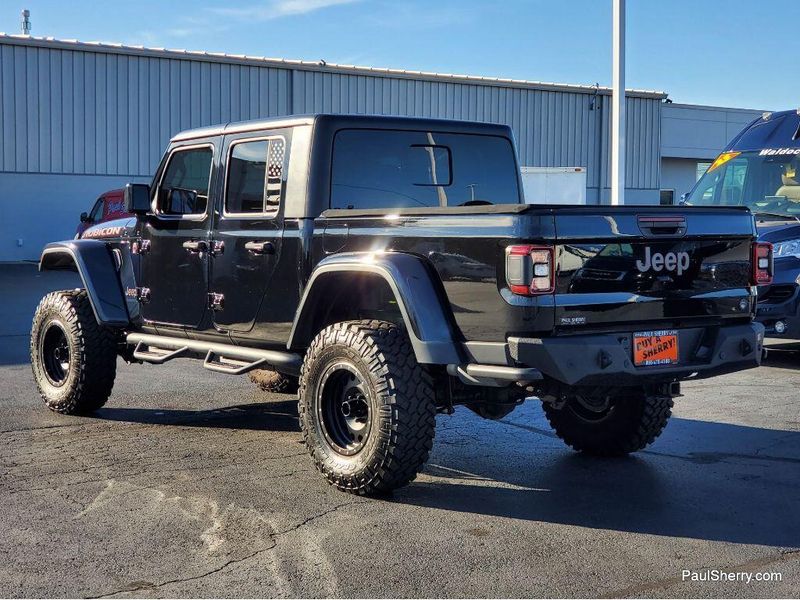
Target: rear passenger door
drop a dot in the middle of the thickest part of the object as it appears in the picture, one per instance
(249, 226)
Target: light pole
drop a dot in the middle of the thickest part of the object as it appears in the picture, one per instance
(618, 106)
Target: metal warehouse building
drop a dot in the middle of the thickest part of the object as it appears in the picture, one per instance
(78, 119)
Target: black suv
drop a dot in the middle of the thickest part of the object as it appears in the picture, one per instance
(389, 269)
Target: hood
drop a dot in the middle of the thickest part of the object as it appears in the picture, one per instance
(115, 228)
(777, 231)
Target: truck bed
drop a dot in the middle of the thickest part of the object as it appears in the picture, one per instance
(598, 286)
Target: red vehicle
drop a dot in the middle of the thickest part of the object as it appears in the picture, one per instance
(109, 206)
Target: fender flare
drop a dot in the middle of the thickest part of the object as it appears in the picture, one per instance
(417, 290)
(93, 261)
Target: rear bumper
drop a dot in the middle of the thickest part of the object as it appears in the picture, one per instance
(783, 307)
(607, 359)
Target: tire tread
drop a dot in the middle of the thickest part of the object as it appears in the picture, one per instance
(639, 428)
(407, 391)
(97, 346)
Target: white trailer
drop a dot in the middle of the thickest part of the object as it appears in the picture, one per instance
(554, 185)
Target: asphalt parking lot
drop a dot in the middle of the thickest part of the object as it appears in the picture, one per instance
(190, 483)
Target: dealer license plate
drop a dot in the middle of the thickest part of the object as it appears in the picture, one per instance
(652, 348)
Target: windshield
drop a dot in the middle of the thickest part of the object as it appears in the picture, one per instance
(766, 183)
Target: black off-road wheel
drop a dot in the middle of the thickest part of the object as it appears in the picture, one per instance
(610, 425)
(74, 360)
(274, 382)
(367, 408)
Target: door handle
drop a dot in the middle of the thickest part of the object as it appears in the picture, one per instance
(260, 247)
(196, 246)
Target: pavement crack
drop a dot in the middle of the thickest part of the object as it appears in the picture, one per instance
(317, 516)
(136, 586)
(151, 586)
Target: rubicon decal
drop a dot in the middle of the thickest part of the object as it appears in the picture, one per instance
(105, 232)
(671, 261)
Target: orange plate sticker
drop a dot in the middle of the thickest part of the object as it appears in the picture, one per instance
(655, 348)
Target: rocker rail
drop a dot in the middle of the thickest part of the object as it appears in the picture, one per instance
(224, 358)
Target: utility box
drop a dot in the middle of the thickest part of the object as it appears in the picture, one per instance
(554, 185)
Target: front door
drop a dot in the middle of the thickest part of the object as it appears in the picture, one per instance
(175, 267)
(249, 228)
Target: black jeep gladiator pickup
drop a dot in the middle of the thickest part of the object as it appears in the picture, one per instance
(390, 269)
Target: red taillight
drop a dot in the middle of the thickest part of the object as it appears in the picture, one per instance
(530, 270)
(762, 263)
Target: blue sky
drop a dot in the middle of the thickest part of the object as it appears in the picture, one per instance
(727, 53)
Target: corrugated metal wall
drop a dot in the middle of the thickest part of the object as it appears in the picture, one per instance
(79, 119)
(95, 112)
(111, 114)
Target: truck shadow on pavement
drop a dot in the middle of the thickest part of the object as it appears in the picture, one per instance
(702, 480)
(261, 416)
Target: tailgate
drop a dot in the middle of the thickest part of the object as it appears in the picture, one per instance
(643, 267)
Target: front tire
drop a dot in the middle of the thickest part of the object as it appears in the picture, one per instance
(367, 408)
(610, 425)
(74, 359)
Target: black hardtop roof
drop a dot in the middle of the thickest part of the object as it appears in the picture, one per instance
(342, 121)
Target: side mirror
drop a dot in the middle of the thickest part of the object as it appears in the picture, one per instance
(137, 198)
(85, 217)
(683, 199)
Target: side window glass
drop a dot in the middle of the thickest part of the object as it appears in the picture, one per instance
(247, 169)
(708, 189)
(733, 183)
(255, 177)
(97, 211)
(184, 187)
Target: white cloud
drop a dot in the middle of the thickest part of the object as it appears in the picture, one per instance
(393, 15)
(275, 9)
(209, 20)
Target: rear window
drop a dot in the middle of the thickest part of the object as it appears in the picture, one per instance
(406, 169)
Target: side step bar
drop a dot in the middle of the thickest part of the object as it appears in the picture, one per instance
(223, 358)
(155, 354)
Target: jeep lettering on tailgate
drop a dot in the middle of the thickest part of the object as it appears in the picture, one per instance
(671, 261)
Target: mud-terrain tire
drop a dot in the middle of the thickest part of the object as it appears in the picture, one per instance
(361, 378)
(633, 420)
(274, 382)
(74, 359)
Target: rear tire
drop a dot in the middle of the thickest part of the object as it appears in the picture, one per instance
(632, 420)
(367, 408)
(274, 382)
(74, 359)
